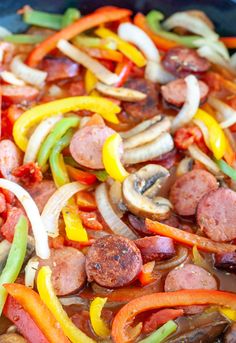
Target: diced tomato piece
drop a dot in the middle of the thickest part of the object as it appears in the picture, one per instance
(90, 220)
(161, 317)
(29, 173)
(186, 136)
(14, 112)
(213, 80)
(56, 242)
(3, 203)
(86, 201)
(96, 119)
(76, 88)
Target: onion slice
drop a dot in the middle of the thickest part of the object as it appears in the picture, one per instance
(32, 76)
(214, 57)
(55, 204)
(161, 145)
(121, 93)
(190, 23)
(102, 73)
(226, 112)
(156, 73)
(30, 272)
(182, 254)
(31, 209)
(233, 61)
(109, 215)
(10, 78)
(200, 156)
(191, 103)
(133, 34)
(38, 136)
(140, 127)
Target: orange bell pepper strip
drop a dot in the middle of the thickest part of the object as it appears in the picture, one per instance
(85, 23)
(146, 276)
(229, 42)
(86, 201)
(43, 318)
(160, 42)
(188, 238)
(105, 54)
(161, 300)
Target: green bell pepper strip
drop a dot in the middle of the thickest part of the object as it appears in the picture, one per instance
(226, 169)
(57, 165)
(87, 41)
(23, 39)
(153, 20)
(59, 130)
(159, 335)
(43, 19)
(15, 258)
(70, 15)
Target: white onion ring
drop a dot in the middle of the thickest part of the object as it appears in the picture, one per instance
(199, 155)
(30, 272)
(11, 78)
(109, 215)
(156, 73)
(175, 261)
(31, 209)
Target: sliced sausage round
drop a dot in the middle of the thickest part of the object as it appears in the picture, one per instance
(182, 61)
(188, 190)
(68, 270)
(41, 192)
(155, 248)
(113, 261)
(189, 276)
(86, 145)
(216, 215)
(146, 108)
(59, 68)
(10, 158)
(175, 92)
(17, 94)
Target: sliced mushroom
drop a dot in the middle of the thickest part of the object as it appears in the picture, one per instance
(140, 192)
(12, 338)
(121, 93)
(159, 146)
(161, 124)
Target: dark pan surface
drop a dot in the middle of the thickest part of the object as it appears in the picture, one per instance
(222, 12)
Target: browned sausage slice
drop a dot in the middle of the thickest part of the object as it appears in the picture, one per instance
(189, 276)
(41, 192)
(175, 91)
(17, 94)
(146, 108)
(226, 261)
(189, 188)
(113, 261)
(217, 216)
(68, 270)
(10, 158)
(155, 248)
(59, 68)
(86, 145)
(182, 61)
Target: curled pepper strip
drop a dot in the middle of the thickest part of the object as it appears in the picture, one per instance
(127, 49)
(48, 296)
(15, 258)
(111, 158)
(58, 131)
(217, 138)
(33, 116)
(43, 318)
(73, 224)
(170, 299)
(98, 324)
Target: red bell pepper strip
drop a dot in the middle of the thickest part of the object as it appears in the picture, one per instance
(145, 276)
(160, 42)
(170, 299)
(230, 42)
(123, 71)
(85, 23)
(188, 238)
(24, 323)
(161, 317)
(81, 176)
(43, 318)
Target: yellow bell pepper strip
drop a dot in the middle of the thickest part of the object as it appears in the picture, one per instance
(33, 116)
(43, 318)
(217, 138)
(111, 158)
(199, 260)
(48, 296)
(73, 224)
(90, 81)
(127, 49)
(228, 312)
(99, 326)
(15, 258)
(57, 132)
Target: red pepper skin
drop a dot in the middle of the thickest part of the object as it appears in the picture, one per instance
(123, 70)
(29, 173)
(81, 176)
(161, 317)
(230, 42)
(24, 323)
